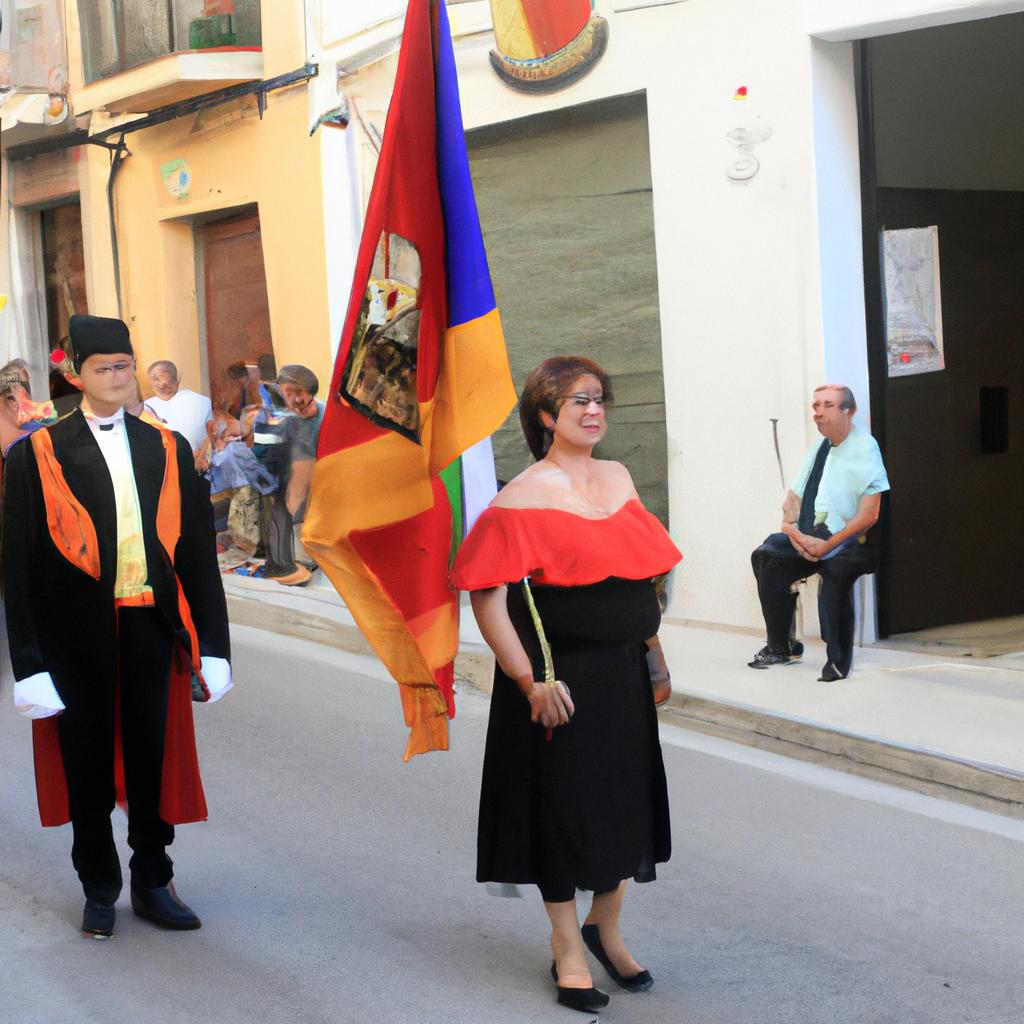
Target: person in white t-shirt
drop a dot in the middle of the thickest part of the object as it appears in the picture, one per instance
(184, 411)
(833, 503)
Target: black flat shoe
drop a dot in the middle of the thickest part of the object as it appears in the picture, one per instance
(639, 982)
(98, 919)
(586, 1000)
(831, 674)
(163, 908)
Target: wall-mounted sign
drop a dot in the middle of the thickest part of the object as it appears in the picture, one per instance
(913, 300)
(177, 178)
(545, 44)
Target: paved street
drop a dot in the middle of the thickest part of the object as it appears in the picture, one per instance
(336, 884)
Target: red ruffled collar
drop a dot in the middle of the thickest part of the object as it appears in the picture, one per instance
(558, 548)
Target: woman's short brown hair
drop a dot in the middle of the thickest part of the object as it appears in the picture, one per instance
(544, 391)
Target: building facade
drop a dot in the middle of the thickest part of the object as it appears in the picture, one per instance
(194, 182)
(695, 192)
(695, 201)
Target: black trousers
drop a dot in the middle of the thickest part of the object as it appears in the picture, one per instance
(277, 535)
(777, 566)
(145, 646)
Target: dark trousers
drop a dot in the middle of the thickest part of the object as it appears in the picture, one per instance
(87, 745)
(277, 535)
(777, 566)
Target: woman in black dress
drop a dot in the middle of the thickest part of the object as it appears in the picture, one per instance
(573, 793)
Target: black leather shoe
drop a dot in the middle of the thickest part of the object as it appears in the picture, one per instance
(831, 674)
(98, 919)
(639, 982)
(586, 1000)
(163, 908)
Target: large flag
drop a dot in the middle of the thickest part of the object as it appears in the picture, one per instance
(421, 375)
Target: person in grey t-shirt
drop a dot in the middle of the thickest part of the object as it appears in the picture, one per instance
(293, 461)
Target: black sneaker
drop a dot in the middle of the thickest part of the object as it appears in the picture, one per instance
(766, 657)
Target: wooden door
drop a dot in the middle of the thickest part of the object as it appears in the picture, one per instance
(237, 314)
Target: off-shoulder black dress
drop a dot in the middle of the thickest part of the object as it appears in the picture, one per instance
(588, 807)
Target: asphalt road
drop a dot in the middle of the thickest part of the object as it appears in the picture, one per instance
(336, 884)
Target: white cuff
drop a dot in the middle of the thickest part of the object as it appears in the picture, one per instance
(217, 676)
(37, 697)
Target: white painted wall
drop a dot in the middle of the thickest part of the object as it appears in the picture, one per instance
(837, 174)
(840, 249)
(738, 270)
(343, 221)
(838, 20)
(339, 19)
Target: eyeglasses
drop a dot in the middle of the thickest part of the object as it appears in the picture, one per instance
(582, 399)
(114, 368)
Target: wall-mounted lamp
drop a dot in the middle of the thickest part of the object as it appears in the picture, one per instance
(745, 138)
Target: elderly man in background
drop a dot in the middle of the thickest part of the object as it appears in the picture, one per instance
(182, 410)
(834, 502)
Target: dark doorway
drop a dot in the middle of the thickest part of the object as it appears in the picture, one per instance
(63, 268)
(956, 501)
(943, 147)
(235, 288)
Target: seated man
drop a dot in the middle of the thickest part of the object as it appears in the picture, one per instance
(835, 500)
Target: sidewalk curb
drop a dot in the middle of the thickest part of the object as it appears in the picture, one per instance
(986, 787)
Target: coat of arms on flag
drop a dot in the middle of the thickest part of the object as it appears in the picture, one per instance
(421, 376)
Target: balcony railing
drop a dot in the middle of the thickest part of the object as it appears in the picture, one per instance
(121, 34)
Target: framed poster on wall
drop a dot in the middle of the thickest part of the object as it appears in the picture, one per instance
(913, 301)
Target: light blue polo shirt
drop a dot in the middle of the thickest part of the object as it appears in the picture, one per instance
(852, 470)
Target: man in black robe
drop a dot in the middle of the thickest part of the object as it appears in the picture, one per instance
(114, 604)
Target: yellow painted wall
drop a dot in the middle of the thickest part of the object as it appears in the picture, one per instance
(284, 36)
(235, 159)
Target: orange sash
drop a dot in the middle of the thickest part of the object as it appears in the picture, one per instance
(71, 529)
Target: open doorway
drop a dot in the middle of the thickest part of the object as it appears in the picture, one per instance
(944, 145)
(63, 268)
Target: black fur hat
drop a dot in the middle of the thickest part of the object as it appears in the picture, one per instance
(97, 336)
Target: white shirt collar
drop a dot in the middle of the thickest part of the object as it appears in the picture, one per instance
(97, 422)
